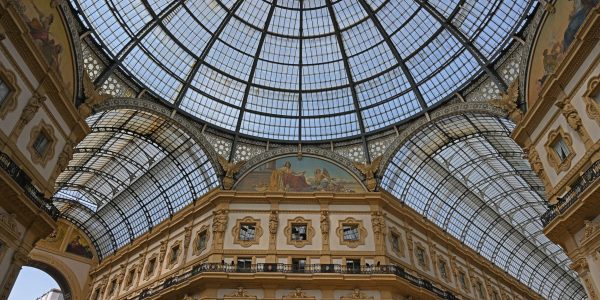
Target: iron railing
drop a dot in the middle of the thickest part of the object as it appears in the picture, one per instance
(24, 181)
(284, 268)
(579, 186)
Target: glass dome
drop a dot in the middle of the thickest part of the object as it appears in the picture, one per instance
(303, 70)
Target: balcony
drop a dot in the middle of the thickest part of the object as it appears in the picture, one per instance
(573, 196)
(199, 269)
(24, 181)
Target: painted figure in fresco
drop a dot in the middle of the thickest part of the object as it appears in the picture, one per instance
(39, 29)
(285, 179)
(581, 8)
(78, 246)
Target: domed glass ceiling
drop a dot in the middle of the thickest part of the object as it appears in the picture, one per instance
(303, 70)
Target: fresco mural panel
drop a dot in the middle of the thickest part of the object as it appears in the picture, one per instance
(293, 174)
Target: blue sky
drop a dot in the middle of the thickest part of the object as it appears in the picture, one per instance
(31, 284)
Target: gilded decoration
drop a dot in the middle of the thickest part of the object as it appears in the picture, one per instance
(553, 158)
(352, 241)
(230, 169)
(509, 102)
(174, 254)
(197, 248)
(310, 232)
(10, 101)
(369, 171)
(299, 174)
(255, 239)
(48, 131)
(396, 241)
(92, 96)
(219, 224)
(356, 294)
(591, 99)
(538, 167)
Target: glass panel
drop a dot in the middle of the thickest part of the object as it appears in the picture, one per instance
(40, 145)
(298, 232)
(351, 232)
(561, 149)
(247, 232)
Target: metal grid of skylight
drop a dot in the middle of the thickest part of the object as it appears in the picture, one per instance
(134, 170)
(303, 70)
(469, 177)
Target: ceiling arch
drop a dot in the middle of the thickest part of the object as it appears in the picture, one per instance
(132, 171)
(444, 171)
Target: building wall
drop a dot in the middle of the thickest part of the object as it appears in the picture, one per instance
(439, 247)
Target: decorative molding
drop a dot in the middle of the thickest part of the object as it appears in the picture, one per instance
(93, 97)
(196, 246)
(356, 294)
(420, 247)
(592, 107)
(48, 154)
(175, 256)
(240, 293)
(590, 228)
(395, 232)
(574, 120)
(150, 272)
(297, 294)
(325, 224)
(9, 223)
(538, 167)
(273, 222)
(32, 107)
(552, 156)
(219, 225)
(310, 232)
(10, 101)
(362, 232)
(258, 232)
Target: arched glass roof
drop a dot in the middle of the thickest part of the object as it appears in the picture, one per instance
(134, 170)
(469, 177)
(303, 70)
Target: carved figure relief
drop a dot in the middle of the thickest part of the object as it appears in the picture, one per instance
(369, 171)
(574, 120)
(508, 102)
(356, 294)
(230, 169)
(92, 96)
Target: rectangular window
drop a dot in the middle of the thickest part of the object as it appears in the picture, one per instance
(130, 277)
(479, 289)
(174, 254)
(244, 264)
(353, 265)
(443, 270)
(351, 232)
(597, 98)
(113, 286)
(561, 149)
(4, 91)
(395, 242)
(298, 264)
(247, 231)
(201, 240)
(462, 277)
(420, 253)
(40, 145)
(299, 232)
(150, 266)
